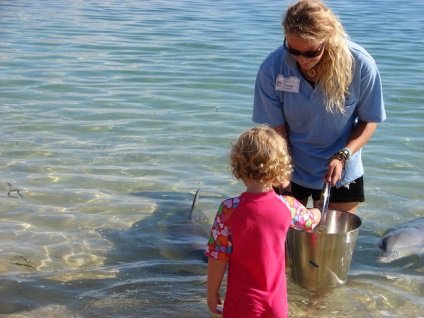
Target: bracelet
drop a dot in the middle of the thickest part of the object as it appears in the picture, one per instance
(347, 152)
(343, 155)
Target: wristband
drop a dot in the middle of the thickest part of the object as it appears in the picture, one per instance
(346, 152)
(343, 155)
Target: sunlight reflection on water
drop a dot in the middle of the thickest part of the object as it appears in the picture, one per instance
(115, 112)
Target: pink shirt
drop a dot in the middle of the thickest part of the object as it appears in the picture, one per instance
(250, 231)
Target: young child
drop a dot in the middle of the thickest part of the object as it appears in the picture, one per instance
(249, 231)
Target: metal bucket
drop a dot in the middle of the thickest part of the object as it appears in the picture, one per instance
(321, 259)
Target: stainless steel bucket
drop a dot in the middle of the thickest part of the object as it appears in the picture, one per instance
(321, 259)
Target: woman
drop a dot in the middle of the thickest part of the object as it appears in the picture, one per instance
(323, 94)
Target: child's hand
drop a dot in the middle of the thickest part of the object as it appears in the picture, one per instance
(213, 302)
(317, 215)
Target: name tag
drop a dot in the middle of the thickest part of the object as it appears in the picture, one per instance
(287, 84)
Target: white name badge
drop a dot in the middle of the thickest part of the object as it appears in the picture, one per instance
(287, 84)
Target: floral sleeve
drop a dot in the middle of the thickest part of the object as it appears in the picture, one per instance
(219, 245)
(301, 216)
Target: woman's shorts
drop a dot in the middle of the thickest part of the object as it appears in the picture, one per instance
(352, 192)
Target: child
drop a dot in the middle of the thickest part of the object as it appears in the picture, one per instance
(249, 231)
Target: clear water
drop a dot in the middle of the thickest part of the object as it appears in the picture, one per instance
(114, 112)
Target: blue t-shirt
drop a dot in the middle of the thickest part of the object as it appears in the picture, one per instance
(314, 133)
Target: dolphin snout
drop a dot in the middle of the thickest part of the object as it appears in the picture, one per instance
(388, 257)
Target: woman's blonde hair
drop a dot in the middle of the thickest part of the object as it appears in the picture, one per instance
(261, 154)
(313, 20)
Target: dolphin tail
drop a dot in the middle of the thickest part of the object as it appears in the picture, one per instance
(193, 205)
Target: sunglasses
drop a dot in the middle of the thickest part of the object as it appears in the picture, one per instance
(307, 54)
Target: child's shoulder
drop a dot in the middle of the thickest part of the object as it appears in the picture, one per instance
(290, 201)
(287, 199)
(231, 203)
(227, 207)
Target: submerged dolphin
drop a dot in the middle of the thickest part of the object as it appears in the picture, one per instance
(183, 233)
(403, 240)
(174, 231)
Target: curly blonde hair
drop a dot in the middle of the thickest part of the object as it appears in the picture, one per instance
(313, 20)
(261, 154)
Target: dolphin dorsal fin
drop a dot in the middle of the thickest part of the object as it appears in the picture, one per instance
(193, 205)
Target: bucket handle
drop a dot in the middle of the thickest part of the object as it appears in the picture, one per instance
(325, 195)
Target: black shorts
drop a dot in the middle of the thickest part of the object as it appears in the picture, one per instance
(353, 193)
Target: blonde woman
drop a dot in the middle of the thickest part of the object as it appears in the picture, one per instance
(249, 231)
(323, 94)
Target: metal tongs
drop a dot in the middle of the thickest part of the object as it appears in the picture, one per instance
(325, 197)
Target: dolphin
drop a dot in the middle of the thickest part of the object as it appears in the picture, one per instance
(183, 233)
(174, 231)
(402, 240)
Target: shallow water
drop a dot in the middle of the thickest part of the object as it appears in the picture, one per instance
(113, 114)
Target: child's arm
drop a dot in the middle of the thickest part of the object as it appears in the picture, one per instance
(305, 218)
(317, 214)
(302, 217)
(218, 250)
(216, 271)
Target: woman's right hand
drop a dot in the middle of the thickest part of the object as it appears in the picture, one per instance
(334, 172)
